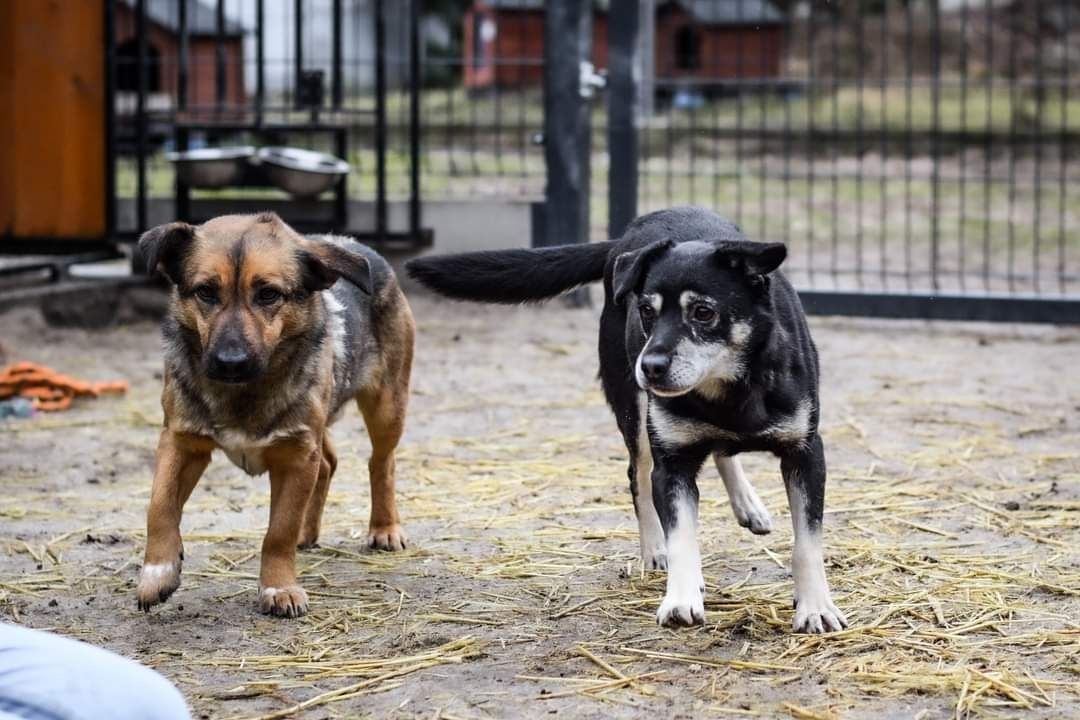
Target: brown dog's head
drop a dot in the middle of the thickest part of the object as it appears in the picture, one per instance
(243, 284)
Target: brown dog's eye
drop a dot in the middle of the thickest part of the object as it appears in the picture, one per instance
(206, 294)
(267, 296)
(703, 314)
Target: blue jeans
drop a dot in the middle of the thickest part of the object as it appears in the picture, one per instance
(48, 677)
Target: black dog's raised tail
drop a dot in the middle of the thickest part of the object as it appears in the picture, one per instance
(512, 276)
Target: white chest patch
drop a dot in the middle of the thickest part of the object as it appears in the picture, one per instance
(676, 431)
(246, 452)
(335, 323)
(250, 460)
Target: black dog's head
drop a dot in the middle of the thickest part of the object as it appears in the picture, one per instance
(700, 304)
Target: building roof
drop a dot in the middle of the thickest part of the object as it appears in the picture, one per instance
(201, 16)
(706, 12)
(730, 12)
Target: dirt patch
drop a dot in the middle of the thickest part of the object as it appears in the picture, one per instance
(953, 519)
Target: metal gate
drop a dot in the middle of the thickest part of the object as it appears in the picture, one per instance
(319, 75)
(919, 159)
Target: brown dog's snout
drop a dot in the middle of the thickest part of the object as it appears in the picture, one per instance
(231, 359)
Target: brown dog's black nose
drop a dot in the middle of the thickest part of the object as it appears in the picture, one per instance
(232, 363)
(655, 365)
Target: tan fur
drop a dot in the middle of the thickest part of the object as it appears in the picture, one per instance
(300, 458)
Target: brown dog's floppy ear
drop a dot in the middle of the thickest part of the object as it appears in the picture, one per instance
(164, 247)
(325, 262)
(630, 268)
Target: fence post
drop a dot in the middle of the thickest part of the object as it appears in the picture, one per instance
(567, 40)
(622, 110)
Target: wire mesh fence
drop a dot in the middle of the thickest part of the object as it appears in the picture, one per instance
(894, 145)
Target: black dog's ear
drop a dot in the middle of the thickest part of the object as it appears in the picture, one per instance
(164, 247)
(325, 262)
(754, 258)
(629, 268)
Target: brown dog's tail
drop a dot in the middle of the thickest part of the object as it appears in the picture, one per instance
(512, 276)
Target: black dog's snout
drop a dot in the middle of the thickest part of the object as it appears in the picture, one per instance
(231, 362)
(655, 365)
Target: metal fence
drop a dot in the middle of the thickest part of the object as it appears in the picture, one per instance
(338, 76)
(897, 147)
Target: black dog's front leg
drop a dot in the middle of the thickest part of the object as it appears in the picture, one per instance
(804, 479)
(675, 494)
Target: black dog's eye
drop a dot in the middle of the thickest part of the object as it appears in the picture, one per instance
(648, 315)
(267, 296)
(703, 314)
(207, 294)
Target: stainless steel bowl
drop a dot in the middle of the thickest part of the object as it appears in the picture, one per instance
(211, 167)
(302, 173)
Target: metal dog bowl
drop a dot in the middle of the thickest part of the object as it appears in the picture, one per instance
(211, 167)
(303, 173)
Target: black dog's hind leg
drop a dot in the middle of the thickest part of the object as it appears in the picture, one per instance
(804, 479)
(675, 494)
(749, 511)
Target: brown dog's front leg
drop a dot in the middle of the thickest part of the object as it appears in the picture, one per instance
(181, 460)
(294, 470)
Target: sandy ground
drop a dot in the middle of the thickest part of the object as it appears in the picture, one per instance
(952, 533)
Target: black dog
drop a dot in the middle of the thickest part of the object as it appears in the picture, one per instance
(704, 349)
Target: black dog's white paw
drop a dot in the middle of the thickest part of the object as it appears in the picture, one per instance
(752, 514)
(682, 608)
(818, 615)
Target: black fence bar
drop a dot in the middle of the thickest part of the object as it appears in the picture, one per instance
(184, 56)
(935, 132)
(337, 91)
(219, 54)
(380, 119)
(622, 115)
(109, 110)
(260, 60)
(415, 72)
(298, 52)
(567, 130)
(140, 114)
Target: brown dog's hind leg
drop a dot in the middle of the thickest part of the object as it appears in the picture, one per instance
(294, 471)
(384, 415)
(179, 464)
(309, 532)
(383, 405)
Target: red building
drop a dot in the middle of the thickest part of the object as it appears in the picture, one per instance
(695, 40)
(163, 50)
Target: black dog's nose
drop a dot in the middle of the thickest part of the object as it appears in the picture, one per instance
(231, 364)
(655, 365)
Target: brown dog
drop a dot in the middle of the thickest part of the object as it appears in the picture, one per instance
(264, 345)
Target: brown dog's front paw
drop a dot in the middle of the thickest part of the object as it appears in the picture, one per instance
(288, 602)
(157, 581)
(387, 537)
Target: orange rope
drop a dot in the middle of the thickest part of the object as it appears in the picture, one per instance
(49, 390)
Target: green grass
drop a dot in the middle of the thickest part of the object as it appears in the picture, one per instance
(893, 108)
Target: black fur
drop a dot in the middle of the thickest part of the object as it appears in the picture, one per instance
(164, 249)
(326, 262)
(512, 276)
(663, 252)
